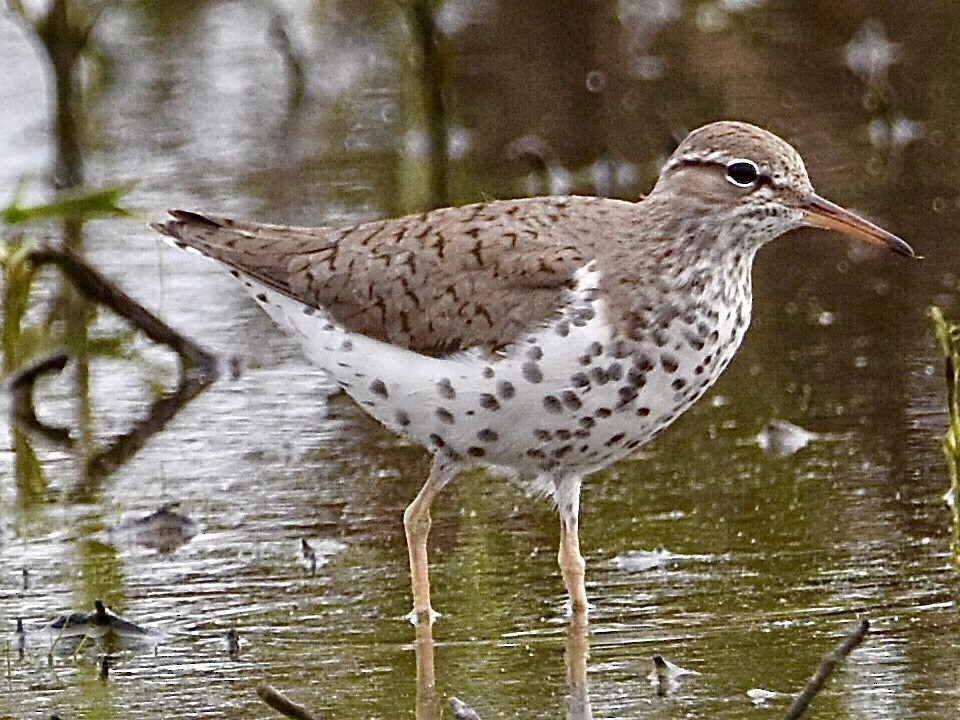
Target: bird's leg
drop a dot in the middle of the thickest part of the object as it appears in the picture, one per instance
(416, 525)
(572, 564)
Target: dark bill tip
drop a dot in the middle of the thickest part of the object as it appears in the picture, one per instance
(821, 213)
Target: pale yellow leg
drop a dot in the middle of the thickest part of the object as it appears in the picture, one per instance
(416, 525)
(572, 564)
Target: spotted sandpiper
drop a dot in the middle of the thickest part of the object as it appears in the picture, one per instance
(544, 338)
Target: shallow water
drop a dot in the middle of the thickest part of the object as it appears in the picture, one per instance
(763, 562)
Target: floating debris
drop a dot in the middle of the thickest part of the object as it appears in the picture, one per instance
(309, 554)
(657, 559)
(665, 676)
(317, 553)
(461, 710)
(102, 625)
(233, 644)
(164, 530)
(759, 696)
(783, 438)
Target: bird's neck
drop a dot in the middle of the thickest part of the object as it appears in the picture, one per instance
(693, 265)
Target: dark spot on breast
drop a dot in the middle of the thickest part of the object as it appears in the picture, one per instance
(309, 311)
(262, 297)
(445, 389)
(377, 387)
(562, 434)
(487, 435)
(562, 450)
(599, 376)
(437, 440)
(535, 353)
(581, 316)
(694, 342)
(595, 349)
(531, 372)
(537, 453)
(562, 328)
(636, 377)
(633, 443)
(627, 394)
(552, 405)
(603, 412)
(579, 380)
(615, 439)
(614, 371)
(346, 346)
(402, 418)
(586, 422)
(235, 273)
(678, 384)
(445, 415)
(542, 435)
(620, 349)
(487, 372)
(477, 452)
(669, 362)
(489, 402)
(642, 362)
(506, 390)
(571, 400)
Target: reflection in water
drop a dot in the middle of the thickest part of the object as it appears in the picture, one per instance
(163, 530)
(575, 656)
(665, 676)
(69, 633)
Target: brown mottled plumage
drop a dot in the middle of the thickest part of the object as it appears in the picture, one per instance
(547, 337)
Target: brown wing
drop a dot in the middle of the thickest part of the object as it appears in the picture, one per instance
(446, 280)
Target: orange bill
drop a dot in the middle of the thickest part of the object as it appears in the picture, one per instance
(822, 213)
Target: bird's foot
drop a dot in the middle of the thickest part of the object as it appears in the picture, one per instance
(428, 616)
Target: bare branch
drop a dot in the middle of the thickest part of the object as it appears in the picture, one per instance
(827, 666)
(282, 704)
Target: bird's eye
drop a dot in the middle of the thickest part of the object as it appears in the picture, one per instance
(743, 173)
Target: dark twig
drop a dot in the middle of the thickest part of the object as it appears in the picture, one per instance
(282, 704)
(97, 287)
(125, 446)
(292, 60)
(21, 384)
(827, 666)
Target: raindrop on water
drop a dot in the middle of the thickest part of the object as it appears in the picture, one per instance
(596, 81)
